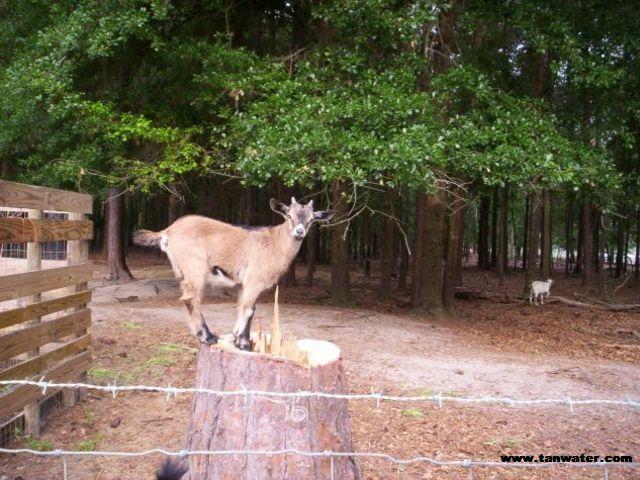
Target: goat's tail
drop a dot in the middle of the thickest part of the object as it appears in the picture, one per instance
(170, 470)
(147, 238)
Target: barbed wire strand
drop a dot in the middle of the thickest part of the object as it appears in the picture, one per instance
(438, 398)
(329, 454)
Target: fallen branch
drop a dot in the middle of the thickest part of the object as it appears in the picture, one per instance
(613, 307)
(468, 294)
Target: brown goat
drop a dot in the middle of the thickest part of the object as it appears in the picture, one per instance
(202, 250)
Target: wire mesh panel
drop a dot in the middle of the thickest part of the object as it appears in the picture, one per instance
(55, 250)
(13, 249)
(51, 403)
(50, 250)
(10, 429)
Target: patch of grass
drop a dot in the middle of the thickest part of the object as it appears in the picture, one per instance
(39, 445)
(159, 361)
(424, 392)
(110, 374)
(171, 347)
(90, 444)
(506, 442)
(130, 325)
(89, 418)
(413, 413)
(428, 392)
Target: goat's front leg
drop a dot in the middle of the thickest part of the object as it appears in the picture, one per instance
(246, 308)
(242, 329)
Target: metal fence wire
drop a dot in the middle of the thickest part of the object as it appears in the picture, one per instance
(376, 397)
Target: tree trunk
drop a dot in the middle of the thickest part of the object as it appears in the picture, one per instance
(249, 217)
(116, 263)
(387, 264)
(525, 234)
(494, 229)
(453, 264)
(568, 237)
(546, 234)
(531, 272)
(289, 278)
(587, 244)
(620, 247)
(340, 276)
(427, 288)
(312, 253)
(501, 254)
(483, 233)
(637, 265)
(174, 211)
(263, 423)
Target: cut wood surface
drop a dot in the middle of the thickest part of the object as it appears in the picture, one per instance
(19, 195)
(23, 284)
(43, 361)
(264, 423)
(26, 230)
(28, 338)
(21, 314)
(15, 398)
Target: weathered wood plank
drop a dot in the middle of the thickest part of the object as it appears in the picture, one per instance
(28, 196)
(43, 361)
(27, 230)
(21, 314)
(14, 399)
(34, 263)
(77, 253)
(23, 284)
(21, 341)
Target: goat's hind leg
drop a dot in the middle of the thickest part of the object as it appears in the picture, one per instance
(192, 295)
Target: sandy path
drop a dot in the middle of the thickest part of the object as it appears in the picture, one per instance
(395, 351)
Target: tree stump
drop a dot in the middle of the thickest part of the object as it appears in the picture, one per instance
(264, 423)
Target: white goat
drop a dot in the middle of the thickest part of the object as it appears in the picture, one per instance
(539, 290)
(202, 250)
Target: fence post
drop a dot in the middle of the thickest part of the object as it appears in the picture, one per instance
(77, 252)
(34, 262)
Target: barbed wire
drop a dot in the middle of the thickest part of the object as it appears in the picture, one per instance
(438, 398)
(466, 463)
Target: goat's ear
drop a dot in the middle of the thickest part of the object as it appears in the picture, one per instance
(310, 204)
(293, 201)
(323, 215)
(278, 207)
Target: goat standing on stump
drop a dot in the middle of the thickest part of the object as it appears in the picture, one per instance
(202, 250)
(539, 290)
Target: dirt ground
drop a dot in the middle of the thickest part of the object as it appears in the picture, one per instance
(496, 349)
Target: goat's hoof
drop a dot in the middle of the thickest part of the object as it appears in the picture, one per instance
(209, 339)
(243, 344)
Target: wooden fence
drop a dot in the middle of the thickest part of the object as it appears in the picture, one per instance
(43, 315)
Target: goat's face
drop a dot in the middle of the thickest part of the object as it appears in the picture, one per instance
(300, 217)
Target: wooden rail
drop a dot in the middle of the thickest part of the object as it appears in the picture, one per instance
(44, 333)
(18, 195)
(23, 284)
(25, 230)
